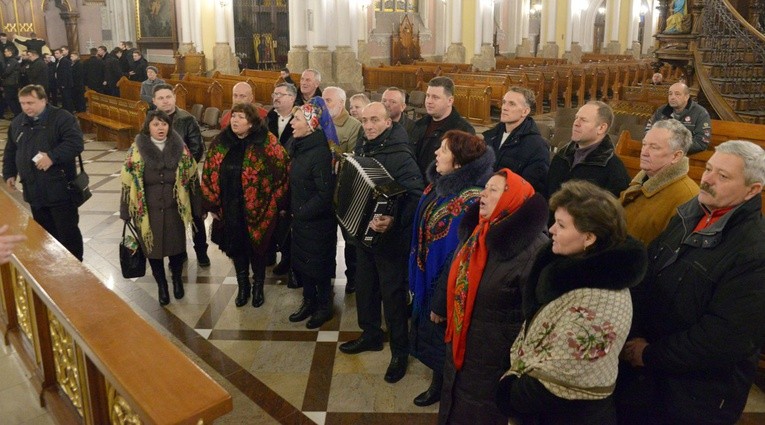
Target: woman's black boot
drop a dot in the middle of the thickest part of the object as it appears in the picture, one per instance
(257, 293)
(176, 273)
(163, 293)
(243, 295)
(433, 393)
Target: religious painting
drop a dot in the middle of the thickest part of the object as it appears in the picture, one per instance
(264, 46)
(155, 21)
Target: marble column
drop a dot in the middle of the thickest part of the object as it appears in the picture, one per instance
(484, 59)
(455, 53)
(347, 67)
(72, 34)
(612, 28)
(524, 49)
(223, 57)
(123, 14)
(319, 56)
(549, 13)
(185, 46)
(297, 58)
(570, 27)
(363, 22)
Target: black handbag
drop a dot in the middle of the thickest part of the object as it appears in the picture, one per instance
(79, 188)
(132, 259)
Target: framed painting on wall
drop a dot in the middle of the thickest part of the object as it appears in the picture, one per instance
(155, 23)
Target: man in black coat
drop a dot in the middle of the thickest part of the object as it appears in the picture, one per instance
(6, 43)
(394, 100)
(32, 43)
(590, 153)
(138, 71)
(693, 116)
(188, 128)
(43, 143)
(94, 72)
(78, 82)
(112, 73)
(381, 273)
(699, 314)
(442, 117)
(64, 79)
(516, 140)
(36, 70)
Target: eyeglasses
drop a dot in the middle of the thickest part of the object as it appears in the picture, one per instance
(278, 95)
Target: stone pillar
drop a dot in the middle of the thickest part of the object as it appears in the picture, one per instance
(363, 20)
(347, 69)
(575, 56)
(484, 60)
(549, 12)
(223, 58)
(320, 59)
(455, 53)
(612, 28)
(570, 27)
(524, 49)
(185, 46)
(72, 34)
(297, 57)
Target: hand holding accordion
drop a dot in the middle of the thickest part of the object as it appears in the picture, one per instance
(365, 192)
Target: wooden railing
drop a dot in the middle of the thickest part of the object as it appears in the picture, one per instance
(92, 359)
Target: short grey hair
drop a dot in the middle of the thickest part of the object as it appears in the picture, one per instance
(753, 156)
(680, 138)
(340, 92)
(528, 96)
(291, 89)
(400, 92)
(361, 97)
(316, 74)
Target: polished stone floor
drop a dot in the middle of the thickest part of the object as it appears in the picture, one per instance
(276, 371)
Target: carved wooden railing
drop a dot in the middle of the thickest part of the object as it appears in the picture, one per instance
(737, 50)
(92, 359)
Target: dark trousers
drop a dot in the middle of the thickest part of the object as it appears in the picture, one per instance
(78, 94)
(382, 278)
(350, 256)
(316, 289)
(158, 267)
(257, 262)
(199, 235)
(67, 99)
(62, 222)
(11, 97)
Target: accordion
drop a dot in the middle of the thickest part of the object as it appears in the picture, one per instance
(364, 190)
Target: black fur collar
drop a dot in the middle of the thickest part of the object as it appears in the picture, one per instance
(553, 275)
(158, 159)
(474, 173)
(514, 233)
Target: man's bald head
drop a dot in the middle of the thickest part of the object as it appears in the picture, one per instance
(678, 97)
(242, 93)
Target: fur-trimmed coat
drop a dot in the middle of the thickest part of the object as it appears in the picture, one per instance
(578, 312)
(435, 237)
(661, 195)
(468, 396)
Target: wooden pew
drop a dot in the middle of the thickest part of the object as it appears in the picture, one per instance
(446, 66)
(166, 70)
(473, 103)
(274, 76)
(206, 94)
(113, 118)
(262, 87)
(404, 77)
(499, 83)
(90, 358)
(131, 90)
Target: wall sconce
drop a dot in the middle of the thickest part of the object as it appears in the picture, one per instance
(602, 10)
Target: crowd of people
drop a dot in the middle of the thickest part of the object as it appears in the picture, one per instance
(544, 288)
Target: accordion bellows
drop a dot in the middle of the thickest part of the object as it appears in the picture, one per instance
(364, 189)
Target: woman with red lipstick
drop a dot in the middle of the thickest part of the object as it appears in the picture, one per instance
(244, 179)
(157, 195)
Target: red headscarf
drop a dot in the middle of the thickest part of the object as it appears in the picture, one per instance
(467, 267)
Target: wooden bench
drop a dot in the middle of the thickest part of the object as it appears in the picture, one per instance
(407, 78)
(262, 87)
(206, 94)
(131, 90)
(113, 118)
(274, 76)
(89, 357)
(166, 70)
(473, 103)
(499, 83)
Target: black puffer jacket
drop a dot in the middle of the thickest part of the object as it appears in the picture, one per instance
(702, 310)
(58, 134)
(393, 151)
(186, 126)
(525, 152)
(314, 230)
(425, 147)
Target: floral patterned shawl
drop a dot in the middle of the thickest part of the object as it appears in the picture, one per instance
(264, 181)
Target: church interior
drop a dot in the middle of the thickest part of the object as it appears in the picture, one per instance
(83, 345)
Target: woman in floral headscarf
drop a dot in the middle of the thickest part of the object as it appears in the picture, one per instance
(500, 237)
(244, 180)
(314, 229)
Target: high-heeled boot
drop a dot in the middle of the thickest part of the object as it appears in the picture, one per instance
(433, 393)
(243, 294)
(176, 273)
(162, 293)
